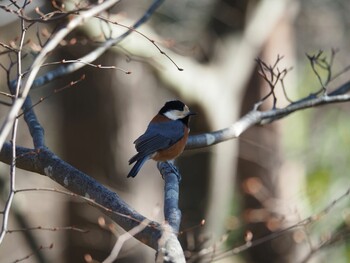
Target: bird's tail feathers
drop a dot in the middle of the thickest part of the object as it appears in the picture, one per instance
(137, 166)
(134, 158)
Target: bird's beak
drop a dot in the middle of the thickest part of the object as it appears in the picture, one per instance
(191, 113)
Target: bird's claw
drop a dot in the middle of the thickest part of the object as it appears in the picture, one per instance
(169, 168)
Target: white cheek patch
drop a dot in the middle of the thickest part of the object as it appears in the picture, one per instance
(174, 114)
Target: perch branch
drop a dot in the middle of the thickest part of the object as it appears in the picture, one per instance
(255, 117)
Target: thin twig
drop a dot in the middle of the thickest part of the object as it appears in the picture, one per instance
(55, 91)
(9, 47)
(92, 56)
(9, 201)
(17, 105)
(123, 238)
(64, 61)
(143, 35)
(322, 63)
(86, 199)
(33, 253)
(208, 252)
(56, 228)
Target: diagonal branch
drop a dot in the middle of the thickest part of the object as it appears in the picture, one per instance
(96, 53)
(47, 163)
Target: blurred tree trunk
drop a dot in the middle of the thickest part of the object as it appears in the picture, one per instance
(259, 167)
(99, 128)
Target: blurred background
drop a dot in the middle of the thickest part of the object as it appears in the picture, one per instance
(247, 189)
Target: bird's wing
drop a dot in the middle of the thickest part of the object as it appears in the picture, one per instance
(159, 136)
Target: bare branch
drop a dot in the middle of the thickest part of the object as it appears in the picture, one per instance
(33, 253)
(172, 178)
(46, 163)
(143, 35)
(320, 60)
(249, 242)
(9, 47)
(56, 228)
(92, 56)
(55, 91)
(256, 117)
(12, 187)
(64, 61)
(123, 238)
(272, 75)
(170, 249)
(17, 105)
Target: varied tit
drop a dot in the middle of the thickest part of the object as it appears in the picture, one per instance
(165, 137)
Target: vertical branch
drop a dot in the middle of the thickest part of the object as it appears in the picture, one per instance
(322, 63)
(9, 201)
(35, 129)
(171, 177)
(272, 75)
(169, 248)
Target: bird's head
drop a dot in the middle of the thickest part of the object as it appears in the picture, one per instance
(176, 110)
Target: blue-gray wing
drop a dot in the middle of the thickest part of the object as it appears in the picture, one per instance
(158, 136)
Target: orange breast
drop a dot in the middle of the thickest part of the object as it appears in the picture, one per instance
(173, 151)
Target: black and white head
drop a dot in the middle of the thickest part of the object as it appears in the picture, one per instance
(176, 110)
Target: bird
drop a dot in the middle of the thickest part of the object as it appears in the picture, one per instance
(165, 137)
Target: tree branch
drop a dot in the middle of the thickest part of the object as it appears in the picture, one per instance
(172, 213)
(96, 53)
(47, 163)
(170, 249)
(255, 117)
(35, 67)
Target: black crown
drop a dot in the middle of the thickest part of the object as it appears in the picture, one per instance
(172, 105)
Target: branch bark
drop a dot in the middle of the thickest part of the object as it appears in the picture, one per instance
(47, 163)
(170, 249)
(256, 117)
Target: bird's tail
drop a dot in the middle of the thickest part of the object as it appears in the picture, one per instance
(137, 166)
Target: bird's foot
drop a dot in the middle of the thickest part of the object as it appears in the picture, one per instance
(169, 167)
